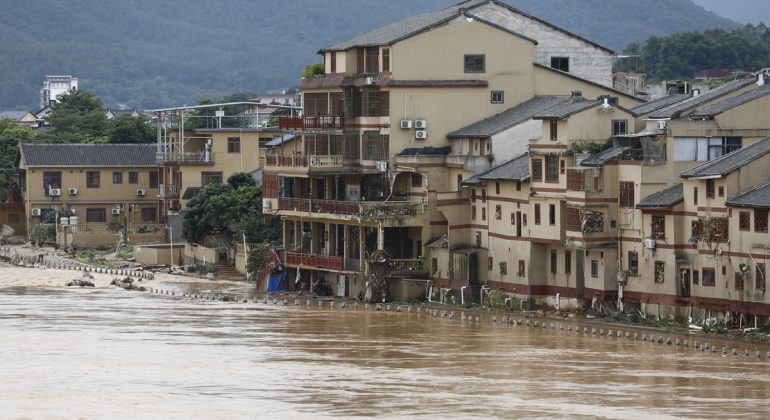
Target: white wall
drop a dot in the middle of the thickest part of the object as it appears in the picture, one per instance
(514, 141)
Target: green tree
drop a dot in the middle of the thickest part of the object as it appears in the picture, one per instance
(78, 117)
(241, 179)
(128, 129)
(313, 69)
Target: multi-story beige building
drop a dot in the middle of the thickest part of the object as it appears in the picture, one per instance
(92, 185)
(374, 165)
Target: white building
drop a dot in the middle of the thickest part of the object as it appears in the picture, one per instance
(54, 86)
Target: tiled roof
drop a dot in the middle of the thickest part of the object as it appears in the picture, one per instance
(516, 169)
(426, 151)
(657, 104)
(730, 103)
(666, 198)
(677, 109)
(757, 197)
(605, 157)
(567, 108)
(14, 115)
(511, 117)
(731, 161)
(415, 24)
(89, 155)
(277, 141)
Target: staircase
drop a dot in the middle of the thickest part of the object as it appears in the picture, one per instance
(226, 272)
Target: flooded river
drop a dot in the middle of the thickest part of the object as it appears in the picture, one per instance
(107, 353)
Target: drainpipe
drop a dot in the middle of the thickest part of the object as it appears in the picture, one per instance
(462, 295)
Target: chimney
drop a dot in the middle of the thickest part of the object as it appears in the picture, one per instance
(761, 79)
(577, 95)
(695, 93)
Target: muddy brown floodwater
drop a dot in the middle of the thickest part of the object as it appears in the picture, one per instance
(107, 353)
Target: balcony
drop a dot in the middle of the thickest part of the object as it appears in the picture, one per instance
(391, 209)
(407, 268)
(317, 261)
(311, 123)
(311, 162)
(168, 191)
(186, 158)
(370, 210)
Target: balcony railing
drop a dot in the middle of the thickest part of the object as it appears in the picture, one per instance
(411, 267)
(187, 158)
(168, 191)
(301, 161)
(311, 123)
(585, 180)
(319, 261)
(371, 209)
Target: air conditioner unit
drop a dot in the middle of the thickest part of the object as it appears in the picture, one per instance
(420, 124)
(141, 192)
(661, 125)
(72, 212)
(54, 192)
(115, 211)
(406, 123)
(370, 80)
(36, 212)
(73, 191)
(421, 134)
(649, 243)
(382, 166)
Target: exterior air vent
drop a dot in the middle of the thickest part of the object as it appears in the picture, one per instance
(420, 124)
(406, 124)
(382, 166)
(73, 191)
(421, 135)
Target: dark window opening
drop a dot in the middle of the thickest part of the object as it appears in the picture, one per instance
(560, 63)
(619, 127)
(626, 194)
(475, 63)
(660, 271)
(554, 261)
(498, 97)
(633, 262)
(567, 262)
(760, 220)
(233, 145)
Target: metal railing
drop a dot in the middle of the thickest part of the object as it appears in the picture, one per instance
(302, 161)
(311, 123)
(170, 190)
(319, 261)
(371, 209)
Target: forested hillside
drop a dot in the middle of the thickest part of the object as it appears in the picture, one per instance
(744, 11)
(681, 55)
(146, 53)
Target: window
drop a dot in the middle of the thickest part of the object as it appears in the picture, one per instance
(376, 146)
(51, 180)
(474, 63)
(483, 196)
(233, 145)
(738, 281)
(375, 103)
(537, 214)
(658, 227)
(554, 129)
(498, 212)
(594, 268)
(633, 262)
(210, 178)
(473, 195)
(660, 271)
(552, 214)
(709, 188)
(695, 195)
(522, 269)
(560, 63)
(537, 170)
(721, 190)
(498, 97)
(133, 177)
(473, 212)
(434, 265)
(149, 214)
(759, 275)
(497, 188)
(333, 62)
(483, 213)
(724, 270)
(744, 221)
(709, 277)
(386, 59)
(562, 167)
(619, 127)
(574, 219)
(554, 260)
(459, 182)
(416, 180)
(626, 194)
(503, 268)
(518, 185)
(567, 262)
(96, 215)
(490, 263)
(760, 220)
(117, 177)
(92, 179)
(552, 169)
(153, 179)
(513, 219)
(695, 276)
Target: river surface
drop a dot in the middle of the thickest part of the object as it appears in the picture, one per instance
(108, 353)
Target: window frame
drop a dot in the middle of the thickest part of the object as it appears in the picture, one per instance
(744, 221)
(474, 63)
(709, 278)
(660, 272)
(760, 280)
(117, 177)
(234, 145)
(560, 63)
(554, 261)
(633, 262)
(536, 210)
(497, 97)
(616, 127)
(96, 215)
(567, 262)
(537, 170)
(595, 269)
(133, 177)
(760, 220)
(626, 195)
(210, 177)
(93, 179)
